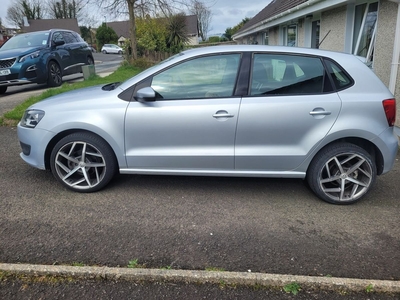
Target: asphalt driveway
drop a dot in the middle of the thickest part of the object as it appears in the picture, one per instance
(235, 224)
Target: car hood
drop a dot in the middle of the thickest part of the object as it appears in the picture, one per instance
(71, 98)
(17, 52)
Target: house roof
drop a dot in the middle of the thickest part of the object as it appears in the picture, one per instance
(272, 9)
(121, 28)
(46, 24)
(192, 25)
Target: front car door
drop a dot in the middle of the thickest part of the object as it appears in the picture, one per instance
(290, 108)
(192, 124)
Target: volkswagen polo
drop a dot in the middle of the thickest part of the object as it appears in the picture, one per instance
(243, 110)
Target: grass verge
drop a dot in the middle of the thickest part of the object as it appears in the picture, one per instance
(124, 72)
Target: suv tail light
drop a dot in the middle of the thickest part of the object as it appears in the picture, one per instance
(389, 106)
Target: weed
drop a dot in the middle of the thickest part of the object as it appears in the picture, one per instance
(78, 264)
(369, 288)
(134, 264)
(293, 288)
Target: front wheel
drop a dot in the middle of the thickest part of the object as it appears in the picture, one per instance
(341, 173)
(3, 89)
(83, 162)
(54, 74)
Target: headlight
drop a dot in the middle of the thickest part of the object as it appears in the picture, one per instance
(31, 118)
(32, 55)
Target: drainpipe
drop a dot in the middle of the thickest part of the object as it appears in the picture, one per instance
(396, 54)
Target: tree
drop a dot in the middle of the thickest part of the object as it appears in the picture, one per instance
(204, 17)
(177, 33)
(229, 32)
(134, 8)
(151, 34)
(31, 9)
(105, 35)
(65, 9)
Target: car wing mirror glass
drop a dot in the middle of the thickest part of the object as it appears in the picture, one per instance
(146, 94)
(58, 43)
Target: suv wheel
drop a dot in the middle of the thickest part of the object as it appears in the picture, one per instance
(3, 89)
(54, 74)
(341, 173)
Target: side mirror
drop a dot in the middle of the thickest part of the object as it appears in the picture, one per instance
(58, 43)
(146, 94)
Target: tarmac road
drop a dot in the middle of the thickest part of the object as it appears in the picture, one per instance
(236, 224)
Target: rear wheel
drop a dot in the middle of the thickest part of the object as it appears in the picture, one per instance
(90, 60)
(341, 173)
(3, 89)
(54, 74)
(83, 162)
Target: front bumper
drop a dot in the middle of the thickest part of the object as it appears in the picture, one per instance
(34, 142)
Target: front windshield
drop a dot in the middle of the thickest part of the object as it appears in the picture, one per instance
(27, 40)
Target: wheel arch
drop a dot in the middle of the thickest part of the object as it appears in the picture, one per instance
(63, 134)
(368, 146)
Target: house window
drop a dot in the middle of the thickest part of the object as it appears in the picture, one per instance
(266, 38)
(291, 35)
(315, 34)
(364, 29)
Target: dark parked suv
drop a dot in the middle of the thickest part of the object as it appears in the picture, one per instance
(42, 57)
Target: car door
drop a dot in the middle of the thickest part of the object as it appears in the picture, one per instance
(290, 109)
(61, 51)
(192, 124)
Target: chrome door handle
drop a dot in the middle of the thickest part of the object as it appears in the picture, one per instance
(223, 116)
(320, 113)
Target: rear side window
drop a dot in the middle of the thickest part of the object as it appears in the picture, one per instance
(275, 74)
(340, 78)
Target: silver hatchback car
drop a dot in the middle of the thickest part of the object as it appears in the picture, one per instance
(257, 111)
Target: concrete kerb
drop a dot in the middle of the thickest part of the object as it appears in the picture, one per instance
(213, 277)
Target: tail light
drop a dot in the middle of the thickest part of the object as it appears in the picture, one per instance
(389, 106)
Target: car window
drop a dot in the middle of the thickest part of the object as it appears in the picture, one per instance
(339, 76)
(204, 77)
(69, 37)
(286, 75)
(58, 37)
(34, 39)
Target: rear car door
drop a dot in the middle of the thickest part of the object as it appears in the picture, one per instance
(192, 124)
(290, 108)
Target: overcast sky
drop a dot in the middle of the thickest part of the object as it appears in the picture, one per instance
(226, 13)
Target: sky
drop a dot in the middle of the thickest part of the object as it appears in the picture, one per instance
(226, 13)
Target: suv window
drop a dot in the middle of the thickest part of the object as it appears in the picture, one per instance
(69, 37)
(274, 74)
(204, 77)
(57, 36)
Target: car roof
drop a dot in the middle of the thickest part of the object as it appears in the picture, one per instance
(262, 48)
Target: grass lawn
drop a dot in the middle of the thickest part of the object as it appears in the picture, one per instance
(121, 74)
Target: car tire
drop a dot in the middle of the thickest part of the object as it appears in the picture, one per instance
(3, 90)
(341, 173)
(83, 162)
(119, 52)
(104, 52)
(90, 61)
(54, 74)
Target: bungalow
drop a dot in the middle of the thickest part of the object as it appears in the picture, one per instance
(46, 24)
(368, 28)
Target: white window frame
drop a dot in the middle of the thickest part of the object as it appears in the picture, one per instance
(360, 32)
